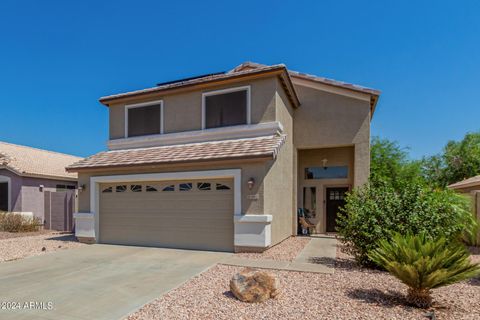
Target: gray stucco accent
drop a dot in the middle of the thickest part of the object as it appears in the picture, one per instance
(26, 195)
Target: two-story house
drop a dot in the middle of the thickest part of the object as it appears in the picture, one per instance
(223, 161)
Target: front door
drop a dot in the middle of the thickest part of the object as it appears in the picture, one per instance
(4, 196)
(335, 200)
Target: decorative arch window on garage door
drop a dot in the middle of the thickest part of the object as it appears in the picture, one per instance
(221, 186)
(149, 188)
(185, 186)
(136, 188)
(170, 187)
(107, 190)
(204, 186)
(121, 188)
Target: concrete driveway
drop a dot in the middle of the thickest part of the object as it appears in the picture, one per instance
(95, 282)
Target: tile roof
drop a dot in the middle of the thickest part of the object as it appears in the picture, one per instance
(467, 183)
(196, 80)
(27, 161)
(243, 70)
(253, 65)
(267, 146)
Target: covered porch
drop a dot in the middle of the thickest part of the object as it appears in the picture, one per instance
(325, 175)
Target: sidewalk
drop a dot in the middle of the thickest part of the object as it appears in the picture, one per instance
(318, 256)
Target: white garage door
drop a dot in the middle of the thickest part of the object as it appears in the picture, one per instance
(188, 214)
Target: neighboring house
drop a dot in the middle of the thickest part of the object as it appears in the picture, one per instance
(470, 186)
(223, 161)
(29, 175)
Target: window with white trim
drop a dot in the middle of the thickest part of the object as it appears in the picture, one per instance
(143, 119)
(225, 108)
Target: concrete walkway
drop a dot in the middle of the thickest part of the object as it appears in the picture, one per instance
(96, 282)
(318, 256)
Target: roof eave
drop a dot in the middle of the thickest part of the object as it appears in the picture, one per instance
(279, 70)
(259, 157)
(458, 186)
(37, 175)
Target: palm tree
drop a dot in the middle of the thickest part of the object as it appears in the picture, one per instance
(423, 264)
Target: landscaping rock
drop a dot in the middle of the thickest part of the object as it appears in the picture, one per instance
(250, 285)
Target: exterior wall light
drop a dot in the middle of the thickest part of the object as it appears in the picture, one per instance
(40, 188)
(81, 188)
(324, 163)
(250, 183)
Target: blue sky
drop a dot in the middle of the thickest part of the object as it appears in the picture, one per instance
(58, 57)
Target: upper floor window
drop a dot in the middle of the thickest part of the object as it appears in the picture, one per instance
(144, 119)
(228, 107)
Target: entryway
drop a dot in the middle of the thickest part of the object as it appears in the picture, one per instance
(335, 201)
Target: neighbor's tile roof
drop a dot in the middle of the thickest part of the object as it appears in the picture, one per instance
(467, 183)
(27, 161)
(259, 147)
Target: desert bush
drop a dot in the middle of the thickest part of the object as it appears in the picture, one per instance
(14, 222)
(372, 212)
(423, 264)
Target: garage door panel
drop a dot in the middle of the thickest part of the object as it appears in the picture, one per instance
(193, 219)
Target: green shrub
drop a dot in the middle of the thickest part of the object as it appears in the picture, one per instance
(372, 212)
(424, 264)
(14, 222)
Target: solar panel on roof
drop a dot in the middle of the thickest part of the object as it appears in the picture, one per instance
(190, 78)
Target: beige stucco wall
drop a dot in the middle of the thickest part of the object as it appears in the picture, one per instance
(327, 119)
(343, 156)
(327, 125)
(183, 112)
(280, 187)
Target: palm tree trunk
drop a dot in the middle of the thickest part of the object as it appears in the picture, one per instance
(420, 298)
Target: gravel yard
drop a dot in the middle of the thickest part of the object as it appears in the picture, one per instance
(9, 235)
(287, 250)
(13, 248)
(349, 293)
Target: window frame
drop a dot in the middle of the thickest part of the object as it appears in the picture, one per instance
(141, 105)
(347, 167)
(222, 91)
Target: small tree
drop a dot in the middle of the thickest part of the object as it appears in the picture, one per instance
(390, 164)
(423, 264)
(372, 212)
(459, 160)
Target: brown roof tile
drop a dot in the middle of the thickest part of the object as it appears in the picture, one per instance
(467, 183)
(27, 161)
(216, 150)
(205, 79)
(253, 65)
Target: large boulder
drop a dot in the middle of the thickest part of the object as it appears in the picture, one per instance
(250, 285)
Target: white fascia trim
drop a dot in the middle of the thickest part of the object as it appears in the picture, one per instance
(83, 215)
(143, 104)
(215, 92)
(254, 218)
(8, 180)
(214, 134)
(331, 89)
(236, 174)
